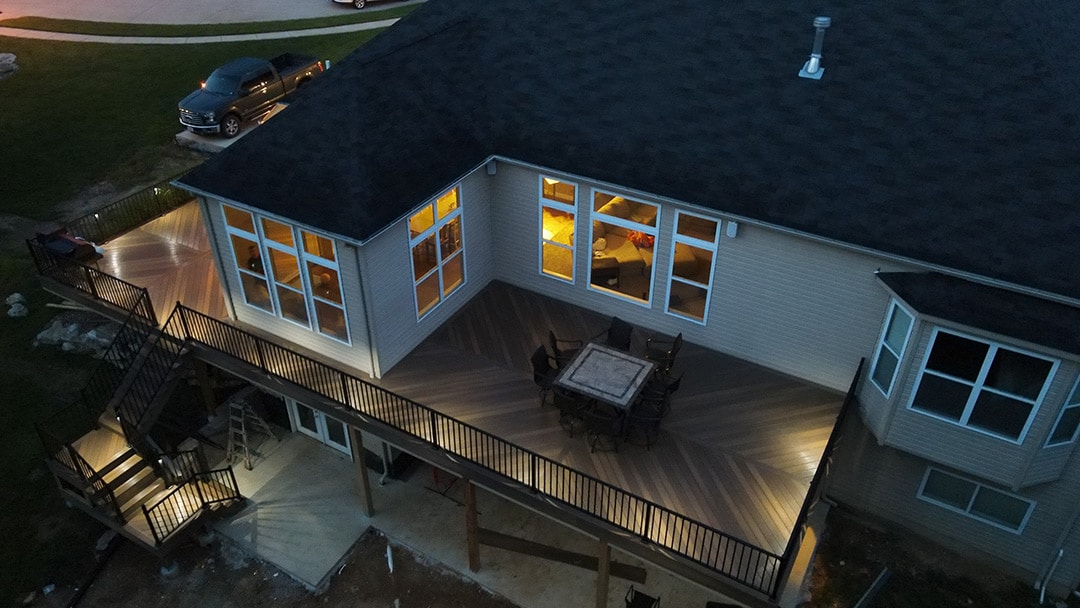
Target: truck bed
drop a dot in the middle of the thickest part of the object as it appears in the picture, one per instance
(289, 63)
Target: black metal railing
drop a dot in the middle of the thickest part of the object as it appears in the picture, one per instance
(821, 473)
(100, 286)
(179, 467)
(187, 500)
(724, 554)
(129, 212)
(60, 451)
(148, 374)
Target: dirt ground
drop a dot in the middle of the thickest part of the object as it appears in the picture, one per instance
(221, 576)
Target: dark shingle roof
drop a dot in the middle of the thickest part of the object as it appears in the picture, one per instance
(942, 131)
(996, 310)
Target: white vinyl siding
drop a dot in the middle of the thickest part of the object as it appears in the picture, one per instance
(995, 507)
(981, 385)
(891, 347)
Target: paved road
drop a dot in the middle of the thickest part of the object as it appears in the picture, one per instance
(337, 29)
(181, 11)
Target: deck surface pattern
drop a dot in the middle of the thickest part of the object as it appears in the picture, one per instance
(171, 257)
(737, 451)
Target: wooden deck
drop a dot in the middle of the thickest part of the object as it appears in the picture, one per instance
(737, 452)
(171, 257)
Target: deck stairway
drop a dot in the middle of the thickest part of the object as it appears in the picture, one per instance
(104, 460)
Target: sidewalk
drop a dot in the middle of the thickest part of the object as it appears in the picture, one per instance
(62, 37)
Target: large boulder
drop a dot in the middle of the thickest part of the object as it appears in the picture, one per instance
(7, 65)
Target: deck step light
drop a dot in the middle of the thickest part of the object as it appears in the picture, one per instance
(812, 69)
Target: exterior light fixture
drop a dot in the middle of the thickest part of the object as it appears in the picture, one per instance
(812, 68)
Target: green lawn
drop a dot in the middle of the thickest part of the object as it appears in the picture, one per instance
(75, 112)
(104, 28)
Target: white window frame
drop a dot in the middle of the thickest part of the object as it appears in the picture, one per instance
(264, 246)
(978, 386)
(882, 344)
(1071, 403)
(653, 231)
(561, 206)
(712, 247)
(979, 487)
(439, 261)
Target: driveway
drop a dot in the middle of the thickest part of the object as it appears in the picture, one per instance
(187, 11)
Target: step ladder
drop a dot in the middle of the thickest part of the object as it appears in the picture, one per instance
(240, 415)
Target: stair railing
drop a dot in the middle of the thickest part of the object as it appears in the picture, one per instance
(188, 499)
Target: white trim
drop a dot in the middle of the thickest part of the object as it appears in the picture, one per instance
(321, 432)
(979, 383)
(895, 306)
(690, 241)
(653, 231)
(978, 488)
(440, 263)
(1072, 402)
(561, 206)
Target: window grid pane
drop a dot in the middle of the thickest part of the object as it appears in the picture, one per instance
(437, 251)
(976, 500)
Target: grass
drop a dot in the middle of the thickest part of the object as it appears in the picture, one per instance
(77, 112)
(104, 28)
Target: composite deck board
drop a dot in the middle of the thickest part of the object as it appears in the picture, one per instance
(737, 451)
(171, 257)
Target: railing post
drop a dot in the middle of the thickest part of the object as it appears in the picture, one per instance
(150, 524)
(648, 522)
(90, 282)
(345, 390)
(183, 320)
(259, 352)
(534, 472)
(434, 428)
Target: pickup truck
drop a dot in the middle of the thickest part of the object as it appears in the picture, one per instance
(244, 89)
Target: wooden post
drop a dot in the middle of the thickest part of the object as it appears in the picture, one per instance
(363, 484)
(202, 376)
(603, 568)
(472, 526)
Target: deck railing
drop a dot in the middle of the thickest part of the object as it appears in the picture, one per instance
(129, 212)
(61, 452)
(100, 286)
(148, 375)
(718, 551)
(187, 500)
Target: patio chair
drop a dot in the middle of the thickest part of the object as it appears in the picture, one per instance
(637, 599)
(661, 386)
(571, 405)
(563, 350)
(603, 427)
(663, 352)
(618, 335)
(543, 373)
(643, 422)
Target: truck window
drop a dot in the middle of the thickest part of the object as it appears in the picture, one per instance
(222, 85)
(259, 81)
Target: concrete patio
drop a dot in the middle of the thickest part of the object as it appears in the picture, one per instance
(304, 516)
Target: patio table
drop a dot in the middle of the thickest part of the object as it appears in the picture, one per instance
(606, 374)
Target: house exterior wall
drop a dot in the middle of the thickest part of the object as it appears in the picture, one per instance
(803, 307)
(389, 290)
(886, 481)
(357, 354)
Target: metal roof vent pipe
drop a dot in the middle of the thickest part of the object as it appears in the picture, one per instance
(812, 69)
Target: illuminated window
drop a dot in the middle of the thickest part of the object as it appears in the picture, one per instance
(692, 255)
(438, 258)
(557, 212)
(302, 285)
(623, 237)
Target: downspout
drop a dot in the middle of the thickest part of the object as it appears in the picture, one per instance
(1059, 551)
(1049, 575)
(216, 254)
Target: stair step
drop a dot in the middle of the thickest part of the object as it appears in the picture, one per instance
(134, 484)
(149, 495)
(119, 466)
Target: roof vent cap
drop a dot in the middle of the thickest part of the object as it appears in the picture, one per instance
(812, 68)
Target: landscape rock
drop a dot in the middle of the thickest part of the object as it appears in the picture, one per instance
(18, 310)
(7, 65)
(76, 332)
(15, 298)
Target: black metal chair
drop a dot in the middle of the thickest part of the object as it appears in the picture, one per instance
(563, 350)
(603, 427)
(571, 406)
(543, 373)
(618, 335)
(661, 385)
(637, 599)
(663, 352)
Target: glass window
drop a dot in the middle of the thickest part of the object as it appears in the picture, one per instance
(1002, 509)
(1068, 422)
(557, 214)
(624, 236)
(691, 272)
(438, 260)
(891, 346)
(271, 277)
(981, 385)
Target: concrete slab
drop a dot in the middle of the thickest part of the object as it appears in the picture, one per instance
(215, 143)
(305, 515)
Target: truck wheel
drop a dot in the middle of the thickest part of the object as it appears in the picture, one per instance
(230, 125)
(359, 3)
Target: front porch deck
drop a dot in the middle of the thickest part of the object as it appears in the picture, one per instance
(737, 451)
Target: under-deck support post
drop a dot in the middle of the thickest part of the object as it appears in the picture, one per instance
(603, 569)
(206, 389)
(363, 483)
(472, 526)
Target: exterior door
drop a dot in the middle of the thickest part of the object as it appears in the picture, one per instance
(318, 425)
